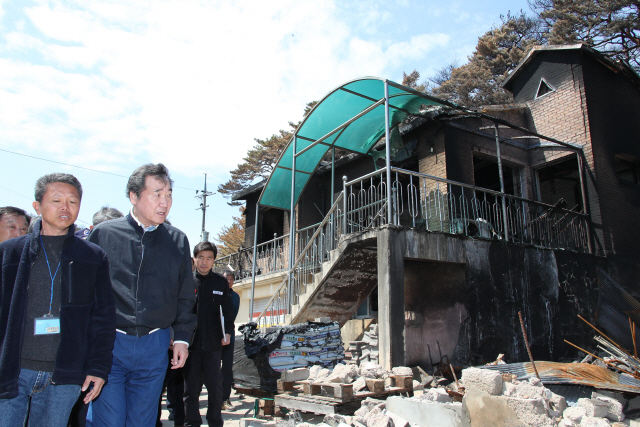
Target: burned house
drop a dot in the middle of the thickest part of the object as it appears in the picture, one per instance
(461, 221)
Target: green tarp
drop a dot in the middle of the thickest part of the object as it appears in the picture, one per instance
(333, 114)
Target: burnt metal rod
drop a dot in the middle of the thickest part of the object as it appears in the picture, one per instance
(591, 354)
(526, 343)
(454, 377)
(606, 337)
(632, 326)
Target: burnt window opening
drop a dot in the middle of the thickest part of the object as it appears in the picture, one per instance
(486, 174)
(544, 88)
(271, 222)
(627, 169)
(369, 307)
(561, 181)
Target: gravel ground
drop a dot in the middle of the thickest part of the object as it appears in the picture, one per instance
(243, 409)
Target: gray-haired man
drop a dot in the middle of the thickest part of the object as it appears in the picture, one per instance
(150, 268)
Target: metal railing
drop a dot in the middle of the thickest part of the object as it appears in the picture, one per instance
(428, 202)
(316, 250)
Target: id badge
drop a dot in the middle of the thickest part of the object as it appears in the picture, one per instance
(46, 325)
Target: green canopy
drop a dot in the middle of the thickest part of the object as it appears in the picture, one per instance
(351, 117)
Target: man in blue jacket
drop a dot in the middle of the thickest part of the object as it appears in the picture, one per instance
(57, 312)
(150, 268)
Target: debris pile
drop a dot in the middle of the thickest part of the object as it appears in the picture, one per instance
(365, 350)
(481, 397)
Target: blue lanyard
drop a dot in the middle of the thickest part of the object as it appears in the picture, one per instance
(52, 277)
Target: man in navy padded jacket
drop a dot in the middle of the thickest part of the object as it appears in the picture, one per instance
(57, 313)
(150, 269)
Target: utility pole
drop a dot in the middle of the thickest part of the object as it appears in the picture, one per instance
(204, 236)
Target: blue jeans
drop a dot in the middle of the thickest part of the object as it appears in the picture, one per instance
(48, 405)
(131, 395)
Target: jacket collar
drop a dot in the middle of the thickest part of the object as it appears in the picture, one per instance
(35, 237)
(137, 225)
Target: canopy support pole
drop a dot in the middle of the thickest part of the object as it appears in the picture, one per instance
(504, 201)
(333, 178)
(292, 222)
(253, 264)
(387, 150)
(585, 208)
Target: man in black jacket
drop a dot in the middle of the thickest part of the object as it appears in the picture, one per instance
(153, 284)
(215, 326)
(57, 310)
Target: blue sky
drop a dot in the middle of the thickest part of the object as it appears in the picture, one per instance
(110, 85)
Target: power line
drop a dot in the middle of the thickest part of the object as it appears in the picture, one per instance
(79, 167)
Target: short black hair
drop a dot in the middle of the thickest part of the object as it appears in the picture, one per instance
(137, 180)
(43, 182)
(11, 210)
(205, 246)
(105, 214)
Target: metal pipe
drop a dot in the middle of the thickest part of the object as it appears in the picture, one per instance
(344, 205)
(333, 178)
(253, 264)
(275, 263)
(504, 201)
(387, 149)
(526, 343)
(292, 219)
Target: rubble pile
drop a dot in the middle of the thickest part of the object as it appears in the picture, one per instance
(481, 397)
(365, 350)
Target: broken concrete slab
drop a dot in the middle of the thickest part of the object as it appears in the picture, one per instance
(334, 420)
(428, 414)
(594, 422)
(398, 421)
(565, 422)
(594, 407)
(299, 374)
(614, 408)
(402, 370)
(532, 412)
(485, 410)
(574, 413)
(483, 379)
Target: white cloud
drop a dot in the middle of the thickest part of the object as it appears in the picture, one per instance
(183, 82)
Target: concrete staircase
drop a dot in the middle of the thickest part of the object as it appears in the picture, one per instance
(343, 282)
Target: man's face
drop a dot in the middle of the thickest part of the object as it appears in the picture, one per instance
(230, 279)
(12, 226)
(59, 208)
(154, 203)
(204, 262)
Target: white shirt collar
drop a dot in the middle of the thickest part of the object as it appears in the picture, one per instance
(149, 228)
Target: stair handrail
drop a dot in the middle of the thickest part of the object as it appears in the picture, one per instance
(334, 207)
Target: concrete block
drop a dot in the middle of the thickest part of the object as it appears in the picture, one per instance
(530, 411)
(557, 405)
(634, 423)
(483, 379)
(614, 408)
(593, 422)
(439, 395)
(402, 370)
(485, 410)
(398, 421)
(565, 422)
(428, 414)
(334, 420)
(612, 394)
(359, 384)
(574, 413)
(373, 414)
(525, 391)
(362, 411)
(299, 374)
(594, 407)
(381, 420)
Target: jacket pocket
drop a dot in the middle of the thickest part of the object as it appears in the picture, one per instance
(81, 281)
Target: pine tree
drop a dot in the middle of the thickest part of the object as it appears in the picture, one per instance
(610, 26)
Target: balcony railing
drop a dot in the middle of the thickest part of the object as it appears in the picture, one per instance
(418, 201)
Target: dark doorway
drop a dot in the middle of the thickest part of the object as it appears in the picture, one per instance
(560, 181)
(486, 174)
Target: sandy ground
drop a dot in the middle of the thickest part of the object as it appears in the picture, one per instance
(243, 404)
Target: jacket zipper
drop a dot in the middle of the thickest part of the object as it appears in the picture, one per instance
(139, 268)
